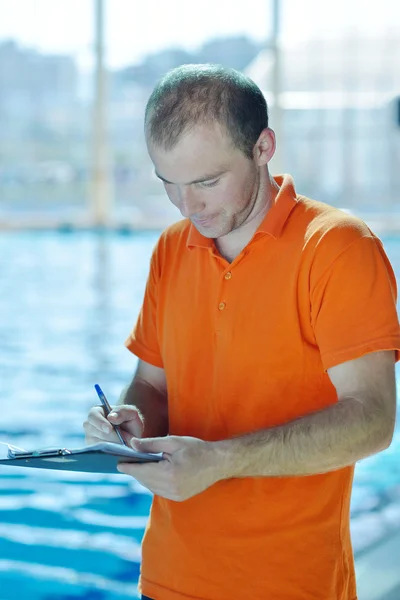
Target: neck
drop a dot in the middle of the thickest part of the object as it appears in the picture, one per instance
(232, 244)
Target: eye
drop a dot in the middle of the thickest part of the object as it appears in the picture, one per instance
(209, 184)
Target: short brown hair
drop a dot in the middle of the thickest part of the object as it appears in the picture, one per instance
(193, 94)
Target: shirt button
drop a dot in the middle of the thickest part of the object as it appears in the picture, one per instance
(228, 275)
(221, 305)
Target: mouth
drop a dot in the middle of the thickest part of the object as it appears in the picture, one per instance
(203, 222)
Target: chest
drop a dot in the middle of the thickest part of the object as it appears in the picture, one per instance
(259, 302)
(237, 345)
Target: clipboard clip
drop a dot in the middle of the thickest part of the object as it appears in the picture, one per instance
(44, 453)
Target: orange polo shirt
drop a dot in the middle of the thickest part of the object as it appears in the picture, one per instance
(246, 346)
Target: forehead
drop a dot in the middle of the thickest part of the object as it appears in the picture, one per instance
(200, 150)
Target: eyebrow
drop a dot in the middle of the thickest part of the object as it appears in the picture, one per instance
(200, 180)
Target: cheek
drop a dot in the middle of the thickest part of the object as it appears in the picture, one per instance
(231, 198)
(242, 194)
(225, 196)
(171, 193)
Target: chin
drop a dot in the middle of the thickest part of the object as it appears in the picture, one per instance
(208, 232)
(212, 232)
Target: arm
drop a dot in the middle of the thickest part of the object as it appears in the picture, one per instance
(360, 424)
(148, 394)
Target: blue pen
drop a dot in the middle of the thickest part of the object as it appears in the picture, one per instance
(107, 410)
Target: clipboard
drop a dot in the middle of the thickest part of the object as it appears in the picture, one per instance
(97, 458)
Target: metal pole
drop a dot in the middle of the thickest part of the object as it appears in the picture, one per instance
(101, 193)
(276, 111)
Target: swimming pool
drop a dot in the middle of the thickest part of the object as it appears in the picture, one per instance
(67, 302)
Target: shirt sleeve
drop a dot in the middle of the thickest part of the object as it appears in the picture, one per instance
(353, 304)
(143, 339)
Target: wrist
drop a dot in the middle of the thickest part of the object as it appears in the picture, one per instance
(223, 453)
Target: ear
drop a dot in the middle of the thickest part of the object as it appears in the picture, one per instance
(264, 148)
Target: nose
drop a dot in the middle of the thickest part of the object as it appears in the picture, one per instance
(189, 202)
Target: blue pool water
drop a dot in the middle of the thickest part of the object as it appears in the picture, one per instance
(67, 302)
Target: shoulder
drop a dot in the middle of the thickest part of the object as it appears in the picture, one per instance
(327, 231)
(171, 242)
(328, 235)
(325, 224)
(175, 236)
(176, 233)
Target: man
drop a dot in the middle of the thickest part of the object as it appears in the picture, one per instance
(266, 344)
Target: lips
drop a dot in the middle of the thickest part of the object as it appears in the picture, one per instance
(203, 222)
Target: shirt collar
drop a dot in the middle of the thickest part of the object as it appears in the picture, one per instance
(283, 204)
(273, 222)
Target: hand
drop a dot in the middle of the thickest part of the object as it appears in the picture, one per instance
(189, 467)
(98, 428)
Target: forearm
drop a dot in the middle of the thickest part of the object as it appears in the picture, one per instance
(152, 405)
(333, 438)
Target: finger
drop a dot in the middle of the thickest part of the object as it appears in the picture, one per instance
(167, 444)
(147, 470)
(97, 419)
(133, 426)
(152, 476)
(98, 428)
(122, 414)
(148, 474)
(99, 435)
(94, 439)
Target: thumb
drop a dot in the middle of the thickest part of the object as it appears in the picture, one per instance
(167, 444)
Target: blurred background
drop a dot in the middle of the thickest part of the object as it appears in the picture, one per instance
(80, 211)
